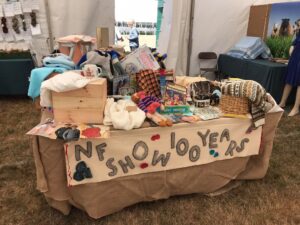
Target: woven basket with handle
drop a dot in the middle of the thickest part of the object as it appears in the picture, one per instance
(234, 105)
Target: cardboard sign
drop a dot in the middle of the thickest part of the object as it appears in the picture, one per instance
(159, 149)
(140, 59)
(85, 131)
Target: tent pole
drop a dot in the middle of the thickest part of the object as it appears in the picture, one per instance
(47, 9)
(190, 44)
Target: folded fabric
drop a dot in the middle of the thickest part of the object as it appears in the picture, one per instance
(37, 76)
(59, 60)
(118, 115)
(250, 48)
(96, 57)
(67, 81)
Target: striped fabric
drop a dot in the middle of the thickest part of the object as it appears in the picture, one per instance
(146, 102)
(250, 48)
(256, 94)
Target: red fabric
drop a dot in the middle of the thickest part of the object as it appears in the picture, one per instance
(91, 132)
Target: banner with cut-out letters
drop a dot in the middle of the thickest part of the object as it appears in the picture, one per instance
(147, 150)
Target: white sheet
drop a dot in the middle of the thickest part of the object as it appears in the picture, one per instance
(66, 81)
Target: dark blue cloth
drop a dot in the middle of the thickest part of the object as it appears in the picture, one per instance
(293, 70)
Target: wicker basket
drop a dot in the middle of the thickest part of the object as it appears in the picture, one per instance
(234, 105)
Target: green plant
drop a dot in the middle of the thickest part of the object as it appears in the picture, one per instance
(279, 46)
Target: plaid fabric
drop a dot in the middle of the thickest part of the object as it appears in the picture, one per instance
(147, 81)
(250, 48)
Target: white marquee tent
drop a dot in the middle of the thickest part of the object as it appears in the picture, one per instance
(59, 18)
(217, 26)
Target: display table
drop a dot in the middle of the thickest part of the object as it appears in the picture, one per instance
(15, 73)
(114, 193)
(269, 74)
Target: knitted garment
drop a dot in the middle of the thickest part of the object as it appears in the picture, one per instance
(59, 60)
(146, 102)
(37, 76)
(254, 92)
(96, 57)
(147, 81)
(117, 115)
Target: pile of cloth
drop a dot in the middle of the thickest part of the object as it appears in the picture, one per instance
(53, 63)
(250, 48)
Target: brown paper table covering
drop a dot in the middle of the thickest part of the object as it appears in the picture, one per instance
(104, 198)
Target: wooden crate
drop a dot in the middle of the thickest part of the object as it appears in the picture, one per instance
(85, 105)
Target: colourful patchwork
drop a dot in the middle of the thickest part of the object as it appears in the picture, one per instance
(147, 81)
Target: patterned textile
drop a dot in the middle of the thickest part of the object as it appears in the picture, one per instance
(250, 48)
(146, 102)
(254, 92)
(147, 81)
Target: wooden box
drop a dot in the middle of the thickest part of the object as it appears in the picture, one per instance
(85, 105)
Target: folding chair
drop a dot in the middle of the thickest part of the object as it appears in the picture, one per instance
(211, 56)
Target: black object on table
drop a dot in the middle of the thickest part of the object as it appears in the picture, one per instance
(269, 74)
(15, 71)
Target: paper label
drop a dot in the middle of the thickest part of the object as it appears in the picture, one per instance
(9, 37)
(18, 37)
(9, 9)
(17, 8)
(35, 5)
(1, 11)
(27, 6)
(36, 30)
(27, 34)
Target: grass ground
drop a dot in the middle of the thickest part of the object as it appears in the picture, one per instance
(274, 200)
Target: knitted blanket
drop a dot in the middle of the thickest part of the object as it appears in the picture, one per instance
(256, 94)
(59, 60)
(147, 81)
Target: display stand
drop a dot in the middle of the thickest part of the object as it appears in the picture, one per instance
(15, 73)
(104, 198)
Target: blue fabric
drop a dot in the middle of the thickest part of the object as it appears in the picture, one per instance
(82, 60)
(114, 54)
(37, 76)
(250, 48)
(60, 60)
(134, 38)
(293, 70)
